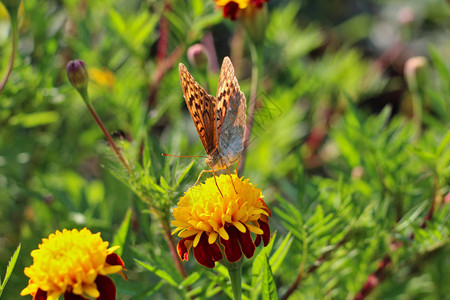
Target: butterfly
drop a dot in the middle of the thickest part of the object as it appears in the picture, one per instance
(220, 121)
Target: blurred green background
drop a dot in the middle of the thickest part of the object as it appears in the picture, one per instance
(349, 150)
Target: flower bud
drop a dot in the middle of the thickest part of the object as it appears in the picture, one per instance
(415, 72)
(77, 74)
(197, 56)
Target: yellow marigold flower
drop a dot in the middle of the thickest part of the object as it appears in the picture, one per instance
(75, 264)
(231, 8)
(205, 219)
(103, 77)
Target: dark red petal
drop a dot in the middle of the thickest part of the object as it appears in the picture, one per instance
(184, 246)
(266, 229)
(258, 3)
(207, 254)
(233, 251)
(231, 10)
(257, 240)
(266, 208)
(40, 295)
(71, 296)
(106, 287)
(247, 245)
(114, 259)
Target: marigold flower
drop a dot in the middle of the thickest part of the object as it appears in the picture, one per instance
(103, 77)
(209, 222)
(231, 9)
(75, 264)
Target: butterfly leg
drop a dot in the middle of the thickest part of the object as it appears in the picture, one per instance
(215, 180)
(229, 173)
(237, 166)
(200, 175)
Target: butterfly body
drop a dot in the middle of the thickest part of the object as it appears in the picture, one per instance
(220, 121)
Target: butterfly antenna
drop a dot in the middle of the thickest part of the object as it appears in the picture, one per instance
(173, 155)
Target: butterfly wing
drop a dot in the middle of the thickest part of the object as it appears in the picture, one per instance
(201, 106)
(230, 113)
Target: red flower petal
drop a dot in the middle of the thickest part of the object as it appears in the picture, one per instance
(237, 244)
(233, 251)
(184, 246)
(231, 10)
(266, 229)
(259, 3)
(40, 295)
(106, 287)
(207, 254)
(247, 245)
(71, 296)
(114, 259)
(257, 240)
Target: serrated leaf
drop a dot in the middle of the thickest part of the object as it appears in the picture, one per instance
(122, 233)
(269, 291)
(10, 268)
(158, 272)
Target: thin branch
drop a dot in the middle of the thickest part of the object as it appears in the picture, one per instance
(319, 261)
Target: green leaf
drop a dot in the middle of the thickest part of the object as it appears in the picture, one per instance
(278, 257)
(269, 291)
(158, 272)
(184, 173)
(35, 119)
(198, 7)
(444, 144)
(439, 64)
(10, 268)
(190, 280)
(118, 22)
(258, 264)
(163, 183)
(121, 235)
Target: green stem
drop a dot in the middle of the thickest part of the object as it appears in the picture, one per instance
(252, 103)
(235, 272)
(13, 15)
(84, 94)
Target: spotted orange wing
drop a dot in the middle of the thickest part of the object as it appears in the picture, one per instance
(201, 106)
(230, 113)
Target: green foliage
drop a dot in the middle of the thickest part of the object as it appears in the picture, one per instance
(9, 269)
(353, 163)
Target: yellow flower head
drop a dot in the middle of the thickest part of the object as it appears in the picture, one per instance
(72, 263)
(205, 218)
(231, 8)
(104, 77)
